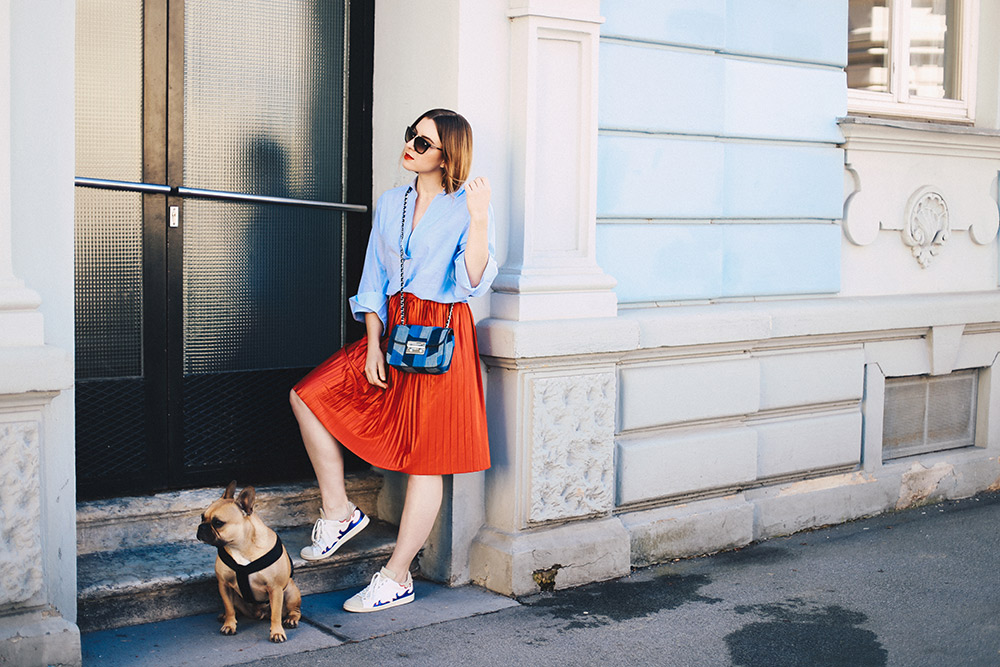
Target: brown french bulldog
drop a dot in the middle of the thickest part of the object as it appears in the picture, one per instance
(253, 568)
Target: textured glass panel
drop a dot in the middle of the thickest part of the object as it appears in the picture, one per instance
(108, 224)
(868, 45)
(261, 286)
(933, 51)
(263, 114)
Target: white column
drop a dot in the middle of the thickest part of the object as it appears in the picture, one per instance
(20, 323)
(37, 503)
(553, 339)
(551, 271)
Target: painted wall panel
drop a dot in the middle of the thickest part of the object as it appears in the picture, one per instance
(771, 181)
(812, 377)
(661, 394)
(653, 89)
(689, 22)
(666, 464)
(646, 177)
(665, 262)
(656, 177)
(662, 262)
(774, 101)
(649, 88)
(807, 30)
(808, 443)
(780, 259)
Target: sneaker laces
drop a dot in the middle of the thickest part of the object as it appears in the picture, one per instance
(317, 534)
(372, 590)
(369, 593)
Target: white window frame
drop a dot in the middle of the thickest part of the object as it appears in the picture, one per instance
(897, 102)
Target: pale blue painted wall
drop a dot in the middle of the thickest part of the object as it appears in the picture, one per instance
(719, 169)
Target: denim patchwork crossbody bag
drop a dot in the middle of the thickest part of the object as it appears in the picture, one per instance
(414, 348)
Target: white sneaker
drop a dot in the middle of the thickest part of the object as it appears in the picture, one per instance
(382, 593)
(329, 535)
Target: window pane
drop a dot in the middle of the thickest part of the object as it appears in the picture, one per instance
(933, 52)
(868, 45)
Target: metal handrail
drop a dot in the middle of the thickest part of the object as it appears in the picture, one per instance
(218, 195)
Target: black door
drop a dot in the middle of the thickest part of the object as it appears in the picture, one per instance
(196, 313)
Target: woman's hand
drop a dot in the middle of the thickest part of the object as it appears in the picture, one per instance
(375, 367)
(477, 199)
(477, 252)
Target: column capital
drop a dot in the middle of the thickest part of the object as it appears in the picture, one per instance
(575, 10)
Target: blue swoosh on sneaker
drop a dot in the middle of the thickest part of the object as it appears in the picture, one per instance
(398, 597)
(343, 532)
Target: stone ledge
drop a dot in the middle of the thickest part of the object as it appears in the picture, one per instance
(29, 640)
(690, 529)
(509, 339)
(720, 323)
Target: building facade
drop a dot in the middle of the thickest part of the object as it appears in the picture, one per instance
(749, 276)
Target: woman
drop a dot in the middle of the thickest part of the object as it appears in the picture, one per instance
(423, 425)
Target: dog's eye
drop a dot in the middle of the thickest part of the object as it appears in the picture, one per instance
(216, 523)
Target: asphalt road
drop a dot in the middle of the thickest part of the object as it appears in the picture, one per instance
(919, 587)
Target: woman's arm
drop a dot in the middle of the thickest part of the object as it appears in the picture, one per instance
(477, 251)
(375, 361)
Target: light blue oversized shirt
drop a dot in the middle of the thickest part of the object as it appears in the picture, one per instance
(433, 254)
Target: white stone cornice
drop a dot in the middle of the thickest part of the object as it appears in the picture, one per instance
(920, 138)
(587, 11)
(844, 316)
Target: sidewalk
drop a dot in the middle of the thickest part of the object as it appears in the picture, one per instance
(919, 587)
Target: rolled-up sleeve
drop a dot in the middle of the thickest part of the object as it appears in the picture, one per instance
(371, 296)
(462, 280)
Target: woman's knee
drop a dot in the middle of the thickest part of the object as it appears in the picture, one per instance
(295, 401)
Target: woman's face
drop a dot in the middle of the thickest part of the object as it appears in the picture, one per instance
(433, 158)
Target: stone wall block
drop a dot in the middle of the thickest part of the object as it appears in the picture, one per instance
(20, 513)
(690, 529)
(572, 440)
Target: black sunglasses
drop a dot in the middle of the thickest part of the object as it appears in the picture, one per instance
(420, 144)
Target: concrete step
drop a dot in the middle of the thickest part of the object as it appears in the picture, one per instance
(129, 522)
(154, 583)
(138, 560)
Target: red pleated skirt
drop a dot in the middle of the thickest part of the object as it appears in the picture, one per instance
(422, 424)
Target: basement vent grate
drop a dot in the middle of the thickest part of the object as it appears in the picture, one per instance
(929, 414)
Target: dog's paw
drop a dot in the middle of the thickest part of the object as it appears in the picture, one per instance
(278, 636)
(228, 628)
(290, 622)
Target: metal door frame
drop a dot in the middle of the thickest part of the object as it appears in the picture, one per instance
(162, 245)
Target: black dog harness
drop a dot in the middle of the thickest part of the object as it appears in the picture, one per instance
(243, 572)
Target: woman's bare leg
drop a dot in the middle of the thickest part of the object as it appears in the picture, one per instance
(326, 457)
(420, 510)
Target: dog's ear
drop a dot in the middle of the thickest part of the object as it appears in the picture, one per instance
(230, 490)
(245, 500)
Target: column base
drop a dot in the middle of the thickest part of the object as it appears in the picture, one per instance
(31, 639)
(550, 558)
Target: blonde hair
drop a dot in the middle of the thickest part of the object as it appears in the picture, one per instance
(456, 145)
